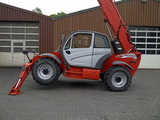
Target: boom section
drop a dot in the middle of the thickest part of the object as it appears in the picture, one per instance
(113, 18)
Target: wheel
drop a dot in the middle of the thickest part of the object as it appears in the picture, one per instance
(45, 71)
(117, 78)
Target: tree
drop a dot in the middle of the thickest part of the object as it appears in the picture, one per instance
(58, 14)
(37, 10)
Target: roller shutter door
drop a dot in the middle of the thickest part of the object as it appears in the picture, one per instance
(14, 37)
(147, 41)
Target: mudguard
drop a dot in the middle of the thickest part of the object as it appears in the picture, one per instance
(122, 63)
(129, 60)
(52, 56)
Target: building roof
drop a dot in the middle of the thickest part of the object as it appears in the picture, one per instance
(67, 15)
(87, 10)
(24, 11)
(91, 9)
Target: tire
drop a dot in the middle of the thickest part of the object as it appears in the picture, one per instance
(117, 78)
(45, 71)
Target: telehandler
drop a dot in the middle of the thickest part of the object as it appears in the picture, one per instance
(88, 55)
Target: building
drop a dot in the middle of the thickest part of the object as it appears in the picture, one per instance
(21, 29)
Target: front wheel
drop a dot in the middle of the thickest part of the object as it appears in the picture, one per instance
(117, 78)
(45, 71)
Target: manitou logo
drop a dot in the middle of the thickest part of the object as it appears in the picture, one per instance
(130, 55)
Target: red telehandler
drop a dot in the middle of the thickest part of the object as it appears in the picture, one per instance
(87, 55)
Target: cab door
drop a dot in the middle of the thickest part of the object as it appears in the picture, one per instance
(77, 50)
(101, 50)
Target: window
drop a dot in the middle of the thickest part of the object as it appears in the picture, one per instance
(81, 41)
(133, 39)
(140, 46)
(146, 39)
(151, 40)
(141, 33)
(5, 49)
(141, 40)
(68, 44)
(16, 36)
(101, 41)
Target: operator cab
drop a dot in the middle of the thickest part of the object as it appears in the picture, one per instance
(86, 49)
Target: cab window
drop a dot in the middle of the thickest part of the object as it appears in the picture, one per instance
(67, 46)
(81, 41)
(101, 41)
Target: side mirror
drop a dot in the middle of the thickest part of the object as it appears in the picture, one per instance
(25, 52)
(62, 38)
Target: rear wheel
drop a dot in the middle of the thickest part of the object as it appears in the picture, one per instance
(117, 78)
(45, 71)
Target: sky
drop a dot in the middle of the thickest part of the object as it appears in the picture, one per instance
(49, 7)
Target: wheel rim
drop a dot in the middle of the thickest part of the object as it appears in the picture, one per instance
(119, 79)
(45, 71)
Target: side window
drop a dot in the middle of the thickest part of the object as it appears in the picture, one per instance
(81, 41)
(101, 41)
(67, 46)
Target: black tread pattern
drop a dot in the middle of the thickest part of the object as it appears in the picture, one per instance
(55, 67)
(108, 74)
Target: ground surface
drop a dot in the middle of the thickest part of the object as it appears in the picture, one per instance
(70, 99)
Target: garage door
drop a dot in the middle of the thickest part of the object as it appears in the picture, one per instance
(147, 40)
(14, 37)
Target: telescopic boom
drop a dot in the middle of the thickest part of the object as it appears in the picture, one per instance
(113, 18)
